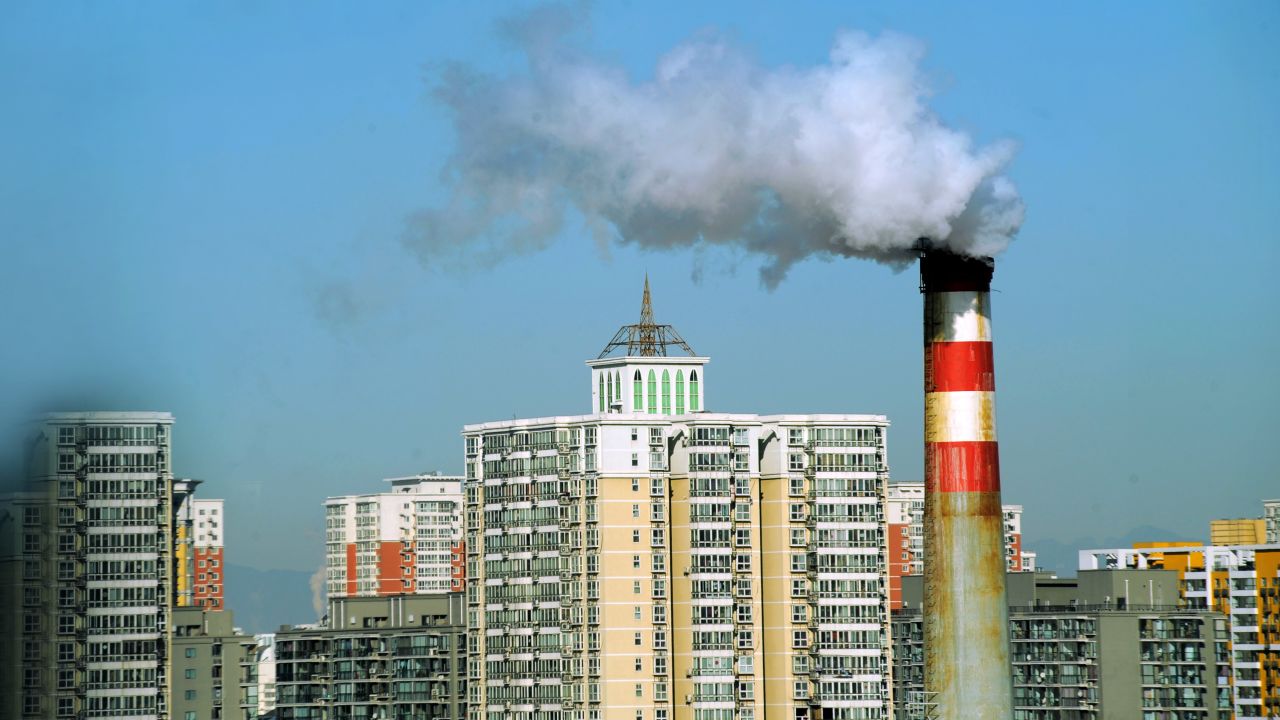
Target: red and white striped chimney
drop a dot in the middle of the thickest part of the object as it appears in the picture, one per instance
(966, 617)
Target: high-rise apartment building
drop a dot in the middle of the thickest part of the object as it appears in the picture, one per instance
(207, 554)
(407, 540)
(1271, 517)
(905, 514)
(653, 560)
(1240, 582)
(1090, 648)
(92, 558)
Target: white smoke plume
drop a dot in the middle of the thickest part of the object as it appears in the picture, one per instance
(839, 159)
(319, 597)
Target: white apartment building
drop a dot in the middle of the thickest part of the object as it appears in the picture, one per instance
(407, 540)
(652, 560)
(1271, 516)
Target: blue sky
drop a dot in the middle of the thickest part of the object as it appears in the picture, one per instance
(202, 206)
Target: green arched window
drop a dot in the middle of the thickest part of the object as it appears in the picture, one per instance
(679, 392)
(653, 393)
(617, 389)
(609, 383)
(666, 393)
(637, 393)
(600, 391)
(693, 391)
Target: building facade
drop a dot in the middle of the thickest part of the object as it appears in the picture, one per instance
(656, 561)
(1271, 517)
(1240, 582)
(208, 558)
(91, 565)
(905, 514)
(1238, 531)
(1080, 651)
(407, 540)
(399, 657)
(214, 673)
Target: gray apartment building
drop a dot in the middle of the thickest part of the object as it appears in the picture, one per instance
(214, 667)
(1108, 645)
(397, 657)
(86, 570)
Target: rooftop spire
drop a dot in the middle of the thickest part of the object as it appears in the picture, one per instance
(646, 338)
(648, 330)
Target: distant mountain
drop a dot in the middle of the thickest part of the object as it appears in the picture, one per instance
(1063, 557)
(263, 600)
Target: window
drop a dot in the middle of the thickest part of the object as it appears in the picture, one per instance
(800, 664)
(635, 482)
(797, 537)
(600, 391)
(635, 434)
(635, 562)
(799, 563)
(635, 510)
(190, 673)
(742, 537)
(635, 587)
(191, 652)
(798, 588)
(666, 392)
(653, 393)
(190, 695)
(795, 486)
(742, 563)
(639, 640)
(797, 512)
(637, 394)
(693, 391)
(639, 690)
(635, 536)
(799, 613)
(635, 462)
(799, 638)
(679, 392)
(635, 612)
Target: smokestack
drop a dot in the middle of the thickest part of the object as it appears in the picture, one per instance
(966, 620)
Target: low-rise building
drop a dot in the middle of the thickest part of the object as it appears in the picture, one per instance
(214, 673)
(400, 657)
(1108, 645)
(1241, 582)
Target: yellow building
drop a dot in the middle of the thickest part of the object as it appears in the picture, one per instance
(655, 561)
(1240, 581)
(1243, 531)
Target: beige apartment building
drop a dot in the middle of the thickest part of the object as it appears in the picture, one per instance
(656, 561)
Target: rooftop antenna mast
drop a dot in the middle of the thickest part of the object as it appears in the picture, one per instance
(646, 338)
